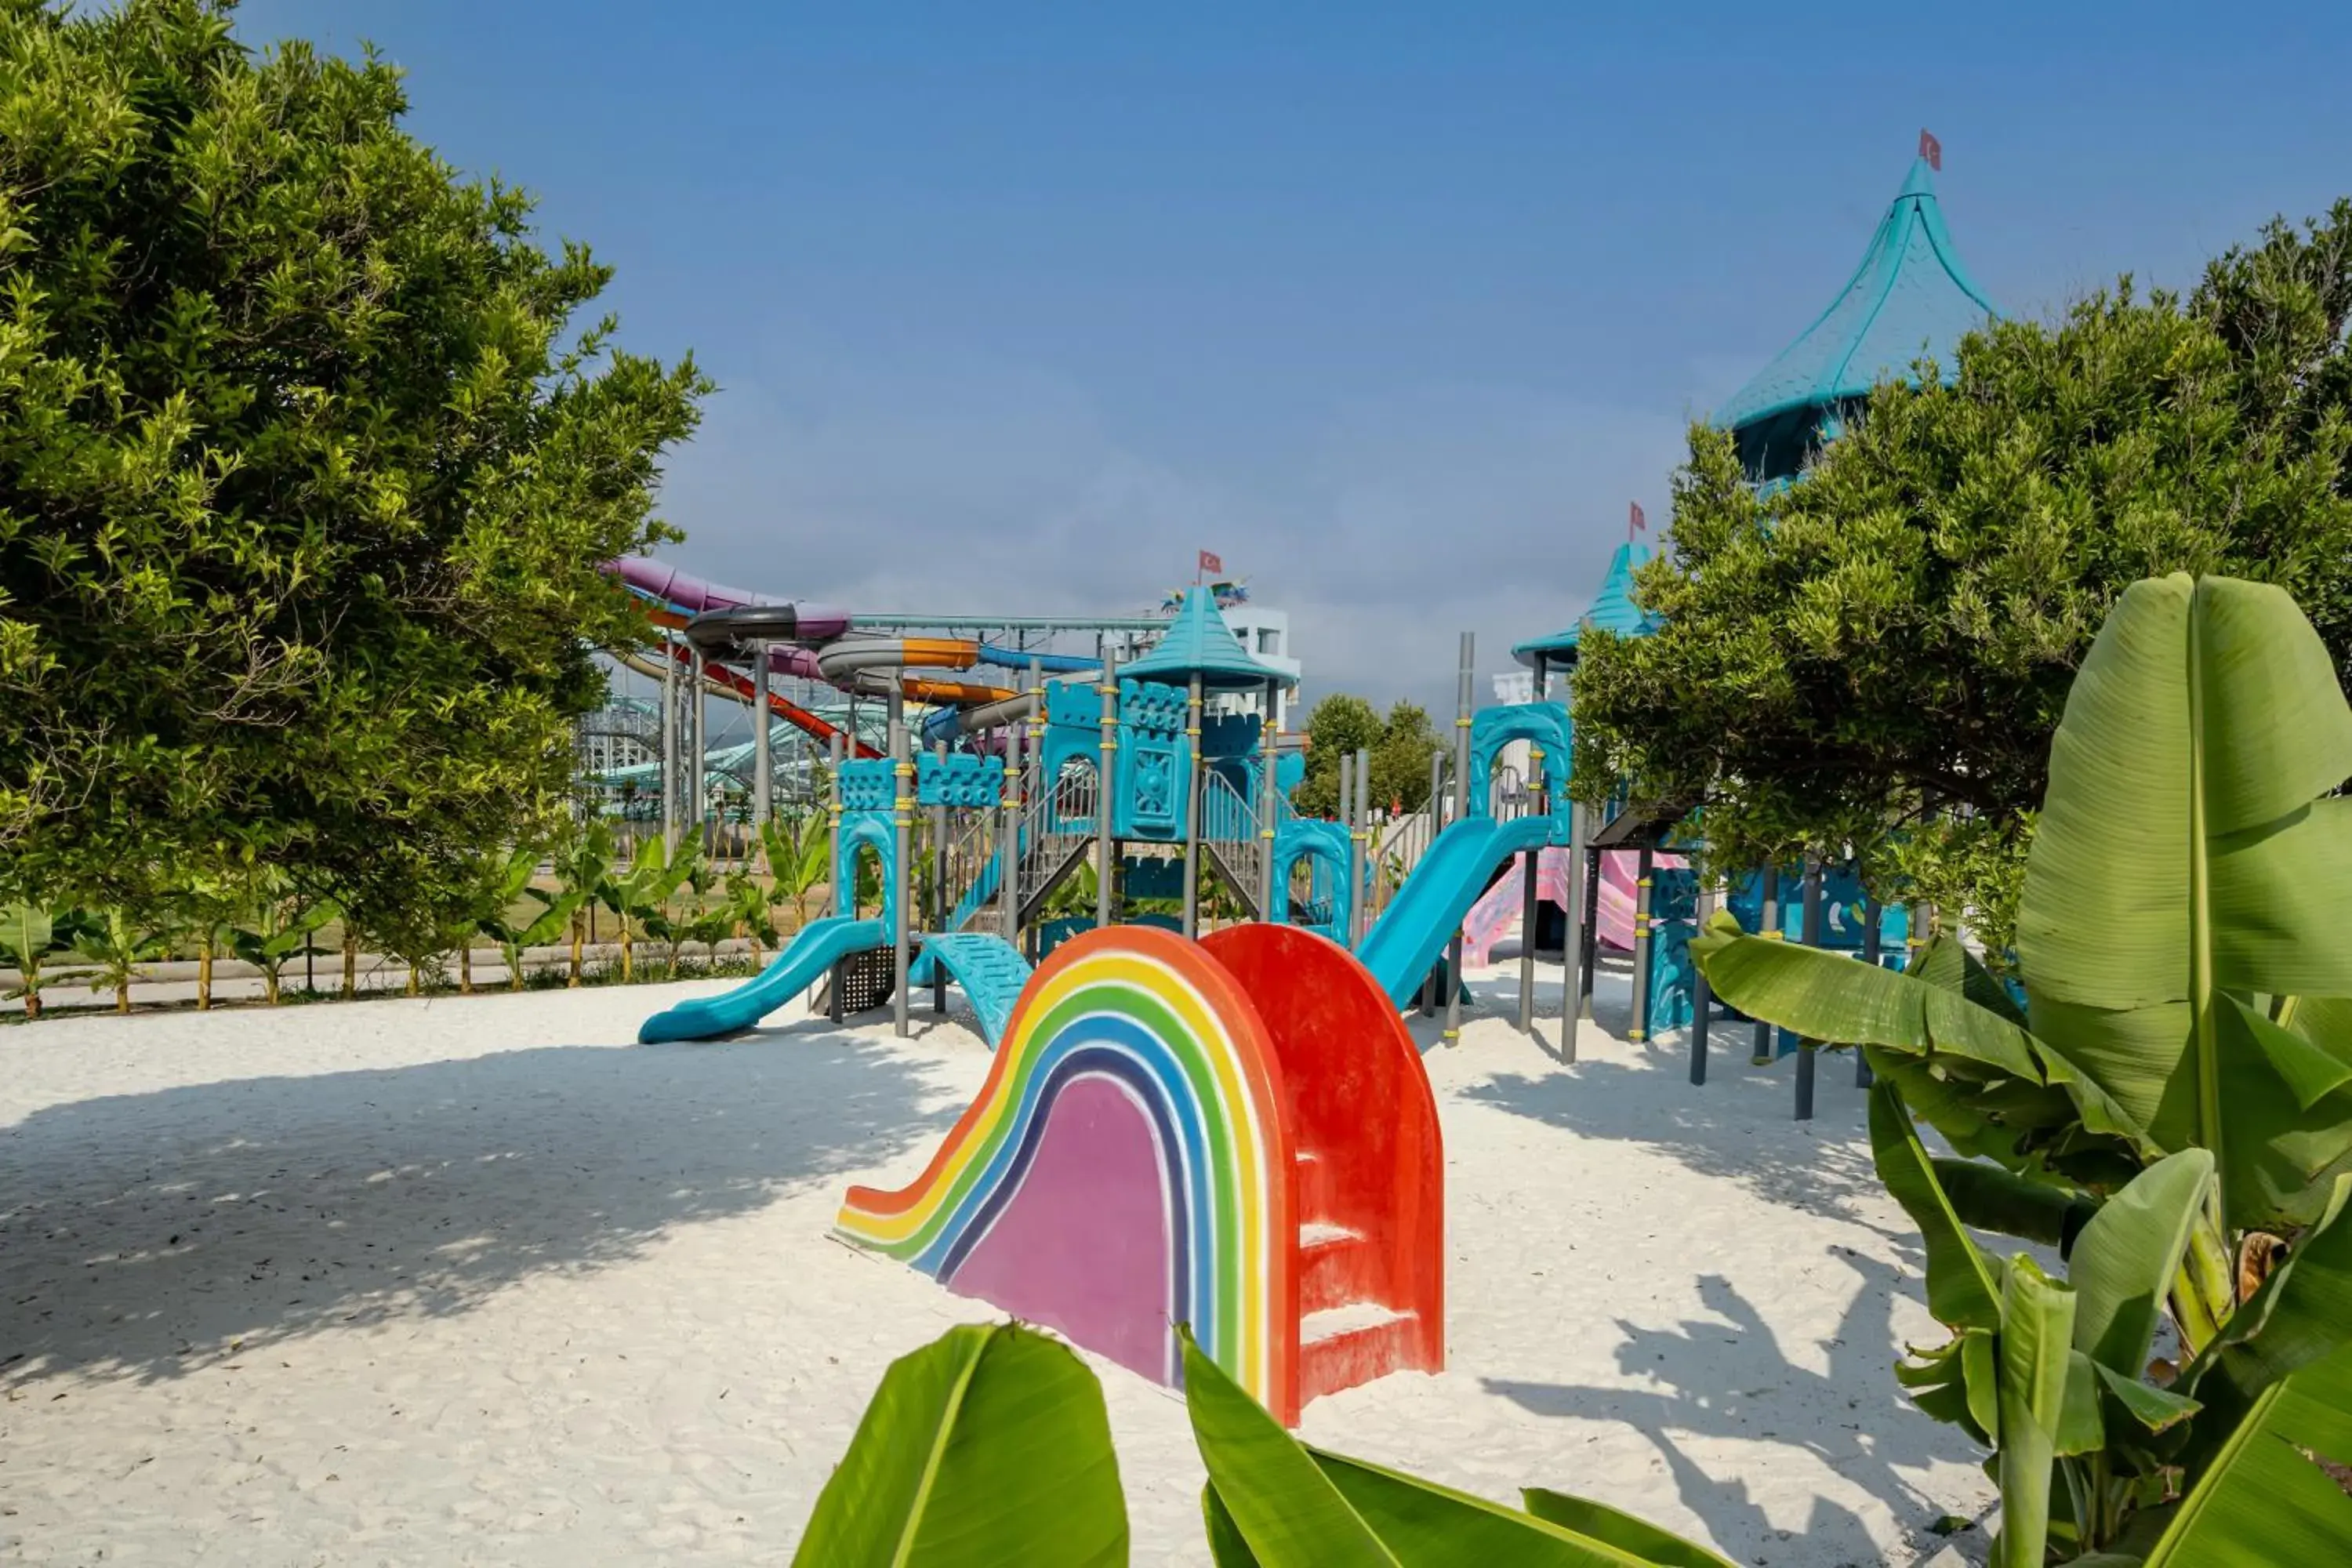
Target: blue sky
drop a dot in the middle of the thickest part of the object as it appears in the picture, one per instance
(1014, 306)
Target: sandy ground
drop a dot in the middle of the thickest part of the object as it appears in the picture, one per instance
(479, 1282)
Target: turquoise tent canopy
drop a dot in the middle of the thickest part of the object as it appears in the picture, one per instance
(1612, 610)
(1200, 643)
(1910, 298)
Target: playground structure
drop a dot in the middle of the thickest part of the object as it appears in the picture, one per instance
(1232, 1130)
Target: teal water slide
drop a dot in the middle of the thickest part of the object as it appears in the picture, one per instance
(818, 946)
(1435, 900)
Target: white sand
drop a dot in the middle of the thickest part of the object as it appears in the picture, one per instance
(476, 1281)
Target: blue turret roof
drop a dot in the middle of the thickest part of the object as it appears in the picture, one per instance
(1200, 643)
(1612, 610)
(1909, 297)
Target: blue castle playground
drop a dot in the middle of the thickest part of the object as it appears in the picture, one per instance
(1130, 784)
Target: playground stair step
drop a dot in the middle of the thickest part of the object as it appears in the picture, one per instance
(1340, 1347)
(1314, 1183)
(1331, 1259)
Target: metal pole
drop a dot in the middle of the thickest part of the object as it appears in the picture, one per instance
(1347, 894)
(1530, 902)
(1702, 999)
(1769, 927)
(1581, 933)
(763, 746)
(1872, 942)
(1192, 809)
(939, 878)
(1436, 825)
(1812, 932)
(1462, 809)
(1106, 779)
(902, 822)
(698, 809)
(669, 768)
(1274, 902)
(1645, 944)
(845, 893)
(1359, 848)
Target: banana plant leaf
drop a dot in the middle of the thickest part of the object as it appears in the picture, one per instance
(1272, 1502)
(2190, 845)
(2035, 1351)
(989, 1446)
(1963, 1288)
(2301, 1315)
(26, 932)
(2281, 1490)
(2124, 1262)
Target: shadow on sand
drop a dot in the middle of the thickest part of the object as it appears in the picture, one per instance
(141, 1233)
(1728, 1376)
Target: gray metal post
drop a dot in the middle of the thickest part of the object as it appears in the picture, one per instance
(1702, 996)
(1360, 849)
(669, 759)
(1811, 934)
(844, 894)
(1192, 809)
(902, 822)
(1464, 679)
(1008, 839)
(1644, 944)
(1274, 905)
(1768, 926)
(763, 744)
(1530, 896)
(1577, 962)
(1106, 776)
(1437, 766)
(938, 921)
(1344, 896)
(698, 807)
(1872, 944)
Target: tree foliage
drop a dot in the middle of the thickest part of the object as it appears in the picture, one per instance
(1888, 642)
(306, 473)
(1402, 742)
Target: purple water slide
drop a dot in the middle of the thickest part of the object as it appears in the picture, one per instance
(692, 594)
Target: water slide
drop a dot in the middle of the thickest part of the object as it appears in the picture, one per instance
(815, 947)
(782, 707)
(989, 970)
(1439, 895)
(1500, 909)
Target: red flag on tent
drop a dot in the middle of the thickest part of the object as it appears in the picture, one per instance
(1931, 149)
(1209, 563)
(1636, 523)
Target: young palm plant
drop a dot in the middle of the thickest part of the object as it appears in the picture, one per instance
(583, 868)
(512, 886)
(642, 893)
(115, 945)
(283, 923)
(2180, 942)
(799, 856)
(30, 934)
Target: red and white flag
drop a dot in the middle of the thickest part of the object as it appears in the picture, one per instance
(1931, 149)
(1636, 523)
(1209, 563)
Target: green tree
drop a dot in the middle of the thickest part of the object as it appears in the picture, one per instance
(1400, 759)
(1878, 656)
(307, 468)
(1337, 727)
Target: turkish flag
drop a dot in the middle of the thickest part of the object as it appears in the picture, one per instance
(1637, 524)
(1931, 149)
(1209, 563)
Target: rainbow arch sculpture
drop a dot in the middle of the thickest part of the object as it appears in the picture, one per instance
(1235, 1134)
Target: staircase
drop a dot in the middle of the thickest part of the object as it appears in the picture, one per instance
(1346, 1336)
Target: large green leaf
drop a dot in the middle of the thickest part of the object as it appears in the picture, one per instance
(2186, 849)
(1971, 1063)
(2280, 1490)
(1989, 1197)
(1602, 1522)
(26, 932)
(2036, 1345)
(988, 1446)
(1962, 1290)
(2300, 1316)
(1294, 1507)
(2125, 1262)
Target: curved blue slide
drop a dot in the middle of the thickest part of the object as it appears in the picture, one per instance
(817, 947)
(1435, 899)
(990, 969)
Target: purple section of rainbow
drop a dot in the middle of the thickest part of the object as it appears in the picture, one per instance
(1082, 1245)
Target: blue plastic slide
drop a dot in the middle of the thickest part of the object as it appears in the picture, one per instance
(1435, 899)
(818, 946)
